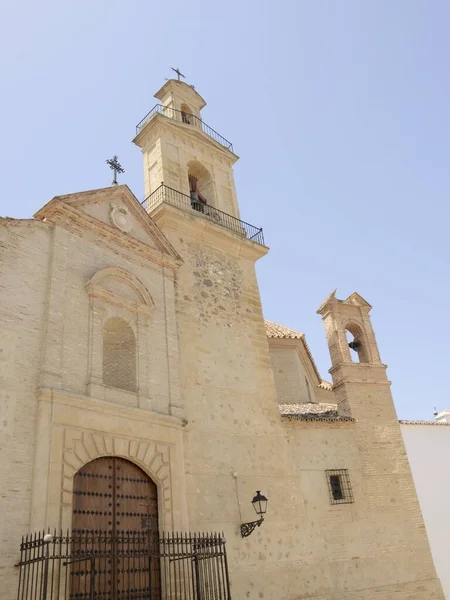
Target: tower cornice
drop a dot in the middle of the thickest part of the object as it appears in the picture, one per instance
(182, 88)
(159, 123)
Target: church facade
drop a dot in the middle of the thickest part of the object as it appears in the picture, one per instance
(133, 346)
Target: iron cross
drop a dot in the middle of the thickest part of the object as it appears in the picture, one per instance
(115, 166)
(178, 72)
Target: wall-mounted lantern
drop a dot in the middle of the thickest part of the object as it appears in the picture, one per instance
(260, 505)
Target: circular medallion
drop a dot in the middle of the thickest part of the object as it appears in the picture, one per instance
(121, 218)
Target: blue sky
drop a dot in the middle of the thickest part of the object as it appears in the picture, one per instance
(338, 110)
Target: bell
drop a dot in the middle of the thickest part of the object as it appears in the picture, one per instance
(355, 345)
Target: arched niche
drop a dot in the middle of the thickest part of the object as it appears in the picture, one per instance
(120, 305)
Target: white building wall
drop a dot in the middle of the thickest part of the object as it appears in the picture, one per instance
(428, 449)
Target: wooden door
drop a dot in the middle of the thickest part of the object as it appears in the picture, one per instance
(115, 518)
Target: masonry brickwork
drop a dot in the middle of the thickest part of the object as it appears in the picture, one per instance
(203, 417)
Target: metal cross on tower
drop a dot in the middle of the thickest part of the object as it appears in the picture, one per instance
(178, 72)
(115, 166)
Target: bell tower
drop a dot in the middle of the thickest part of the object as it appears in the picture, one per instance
(355, 360)
(223, 364)
(187, 164)
(391, 519)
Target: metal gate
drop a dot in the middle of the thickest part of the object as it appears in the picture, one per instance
(174, 566)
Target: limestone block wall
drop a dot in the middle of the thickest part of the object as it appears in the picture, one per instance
(236, 443)
(77, 347)
(48, 343)
(153, 168)
(24, 263)
(166, 160)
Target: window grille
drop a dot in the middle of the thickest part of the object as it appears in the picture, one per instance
(339, 486)
(119, 355)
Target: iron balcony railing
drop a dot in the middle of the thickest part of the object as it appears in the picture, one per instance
(188, 119)
(166, 194)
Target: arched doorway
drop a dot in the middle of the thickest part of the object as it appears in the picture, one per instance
(115, 519)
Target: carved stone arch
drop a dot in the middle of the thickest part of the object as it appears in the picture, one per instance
(116, 293)
(153, 458)
(112, 311)
(100, 279)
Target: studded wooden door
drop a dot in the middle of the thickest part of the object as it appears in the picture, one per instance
(116, 503)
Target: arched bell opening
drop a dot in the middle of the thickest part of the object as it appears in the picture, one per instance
(356, 343)
(201, 186)
(186, 114)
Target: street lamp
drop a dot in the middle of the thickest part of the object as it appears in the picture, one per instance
(260, 505)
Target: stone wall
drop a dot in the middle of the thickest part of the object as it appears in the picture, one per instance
(210, 447)
(235, 443)
(24, 262)
(290, 376)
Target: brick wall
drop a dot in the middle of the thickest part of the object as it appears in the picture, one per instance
(290, 376)
(24, 261)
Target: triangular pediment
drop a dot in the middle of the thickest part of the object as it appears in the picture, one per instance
(118, 210)
(357, 300)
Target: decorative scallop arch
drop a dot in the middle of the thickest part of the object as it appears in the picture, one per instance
(152, 457)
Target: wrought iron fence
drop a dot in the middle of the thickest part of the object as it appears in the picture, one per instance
(188, 119)
(132, 565)
(167, 194)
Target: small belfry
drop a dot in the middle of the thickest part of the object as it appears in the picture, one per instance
(355, 359)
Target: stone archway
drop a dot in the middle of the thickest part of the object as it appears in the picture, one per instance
(114, 495)
(83, 447)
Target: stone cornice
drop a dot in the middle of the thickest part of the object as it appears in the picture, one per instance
(214, 236)
(316, 423)
(85, 403)
(74, 220)
(166, 123)
(360, 382)
(181, 88)
(351, 365)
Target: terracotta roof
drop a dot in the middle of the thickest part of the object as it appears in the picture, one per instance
(423, 422)
(325, 385)
(276, 331)
(311, 411)
(308, 408)
(273, 330)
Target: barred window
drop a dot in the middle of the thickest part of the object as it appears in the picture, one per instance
(339, 486)
(119, 355)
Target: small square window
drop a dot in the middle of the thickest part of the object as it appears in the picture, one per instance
(339, 486)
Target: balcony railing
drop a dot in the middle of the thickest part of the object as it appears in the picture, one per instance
(166, 194)
(188, 119)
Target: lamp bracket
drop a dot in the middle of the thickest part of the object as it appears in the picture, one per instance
(248, 528)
